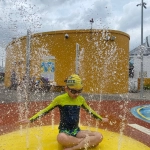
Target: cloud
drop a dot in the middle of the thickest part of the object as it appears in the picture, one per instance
(130, 22)
(79, 17)
(16, 16)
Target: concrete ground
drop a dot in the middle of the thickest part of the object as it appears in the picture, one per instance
(7, 95)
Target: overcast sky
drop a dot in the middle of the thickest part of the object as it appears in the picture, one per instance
(16, 16)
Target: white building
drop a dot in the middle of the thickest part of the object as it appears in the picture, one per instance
(135, 63)
(137, 66)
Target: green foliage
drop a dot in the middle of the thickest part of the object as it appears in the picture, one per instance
(1, 79)
(147, 87)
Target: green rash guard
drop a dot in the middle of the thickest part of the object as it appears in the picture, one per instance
(69, 111)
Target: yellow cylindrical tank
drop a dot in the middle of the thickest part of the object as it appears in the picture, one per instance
(103, 58)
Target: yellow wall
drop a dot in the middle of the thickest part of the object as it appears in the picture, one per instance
(103, 64)
(146, 82)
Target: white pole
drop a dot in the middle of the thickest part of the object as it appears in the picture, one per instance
(141, 80)
(143, 4)
(27, 65)
(28, 54)
(2, 62)
(77, 58)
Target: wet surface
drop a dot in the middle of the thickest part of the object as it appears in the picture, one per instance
(116, 107)
(45, 138)
(142, 112)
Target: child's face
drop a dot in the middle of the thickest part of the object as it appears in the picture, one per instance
(73, 93)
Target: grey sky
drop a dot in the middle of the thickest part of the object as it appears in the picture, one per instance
(16, 16)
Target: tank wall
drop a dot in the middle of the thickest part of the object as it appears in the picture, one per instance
(103, 63)
(15, 60)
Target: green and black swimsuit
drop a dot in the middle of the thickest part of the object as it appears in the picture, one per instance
(69, 111)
